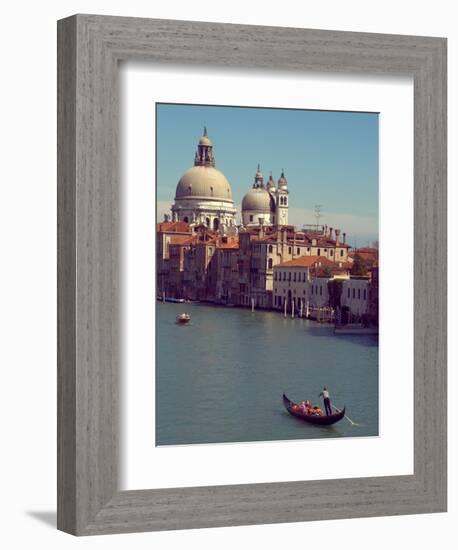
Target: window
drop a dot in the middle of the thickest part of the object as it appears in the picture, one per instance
(270, 248)
(289, 276)
(312, 290)
(298, 251)
(354, 293)
(364, 294)
(294, 277)
(275, 276)
(270, 264)
(251, 217)
(331, 252)
(303, 277)
(341, 253)
(289, 250)
(359, 294)
(186, 219)
(321, 290)
(318, 251)
(348, 292)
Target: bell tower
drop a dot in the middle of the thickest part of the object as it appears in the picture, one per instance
(282, 200)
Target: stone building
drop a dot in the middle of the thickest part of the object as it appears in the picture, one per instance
(301, 284)
(355, 297)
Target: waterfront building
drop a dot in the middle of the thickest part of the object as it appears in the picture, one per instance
(171, 240)
(227, 290)
(266, 204)
(203, 195)
(373, 310)
(355, 297)
(301, 284)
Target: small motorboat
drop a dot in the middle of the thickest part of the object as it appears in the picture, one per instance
(183, 318)
(294, 410)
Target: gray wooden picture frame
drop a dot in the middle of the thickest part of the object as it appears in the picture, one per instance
(89, 49)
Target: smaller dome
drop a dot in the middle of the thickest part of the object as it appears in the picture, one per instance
(258, 200)
(204, 140)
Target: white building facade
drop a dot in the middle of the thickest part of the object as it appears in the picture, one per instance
(355, 295)
(296, 286)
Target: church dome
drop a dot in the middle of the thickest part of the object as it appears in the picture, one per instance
(258, 200)
(205, 182)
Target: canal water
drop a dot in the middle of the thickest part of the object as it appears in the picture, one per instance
(220, 378)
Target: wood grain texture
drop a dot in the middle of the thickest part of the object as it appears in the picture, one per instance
(90, 48)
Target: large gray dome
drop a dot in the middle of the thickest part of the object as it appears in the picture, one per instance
(205, 182)
(258, 200)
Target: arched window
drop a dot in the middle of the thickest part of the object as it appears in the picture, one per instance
(207, 222)
(216, 224)
(270, 264)
(270, 248)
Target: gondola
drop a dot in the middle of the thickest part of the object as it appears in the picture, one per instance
(320, 420)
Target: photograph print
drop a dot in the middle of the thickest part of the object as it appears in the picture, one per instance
(267, 274)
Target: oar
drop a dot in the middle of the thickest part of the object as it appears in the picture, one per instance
(347, 417)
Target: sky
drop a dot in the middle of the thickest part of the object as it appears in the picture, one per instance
(330, 158)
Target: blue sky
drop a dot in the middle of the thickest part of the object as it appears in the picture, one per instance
(329, 158)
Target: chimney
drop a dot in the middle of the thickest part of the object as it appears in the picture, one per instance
(337, 236)
(344, 235)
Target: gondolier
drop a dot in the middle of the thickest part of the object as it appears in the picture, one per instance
(327, 402)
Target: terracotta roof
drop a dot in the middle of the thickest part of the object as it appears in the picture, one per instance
(173, 227)
(367, 250)
(182, 240)
(309, 261)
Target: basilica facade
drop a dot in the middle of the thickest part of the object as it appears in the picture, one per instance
(203, 196)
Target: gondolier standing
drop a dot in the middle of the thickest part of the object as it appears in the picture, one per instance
(327, 402)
